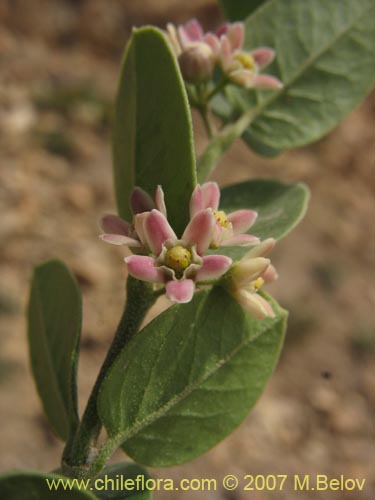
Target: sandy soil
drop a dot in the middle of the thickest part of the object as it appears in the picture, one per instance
(57, 81)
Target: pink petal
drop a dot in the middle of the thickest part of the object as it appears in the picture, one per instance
(143, 268)
(157, 231)
(159, 201)
(236, 35)
(212, 41)
(267, 82)
(114, 225)
(140, 201)
(172, 34)
(184, 38)
(262, 249)
(199, 231)
(254, 304)
(211, 195)
(240, 240)
(263, 56)
(226, 56)
(222, 30)
(270, 274)
(243, 77)
(181, 291)
(249, 269)
(139, 226)
(242, 220)
(194, 30)
(213, 267)
(196, 201)
(119, 239)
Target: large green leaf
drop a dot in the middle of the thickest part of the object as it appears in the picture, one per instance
(126, 485)
(324, 57)
(38, 486)
(152, 132)
(189, 378)
(280, 208)
(54, 327)
(239, 9)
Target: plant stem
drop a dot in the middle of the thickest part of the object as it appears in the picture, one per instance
(203, 111)
(82, 453)
(219, 87)
(221, 143)
(226, 137)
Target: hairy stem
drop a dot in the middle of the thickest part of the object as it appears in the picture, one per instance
(79, 456)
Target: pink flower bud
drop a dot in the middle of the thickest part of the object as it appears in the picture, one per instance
(197, 63)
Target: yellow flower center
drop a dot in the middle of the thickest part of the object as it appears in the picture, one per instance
(222, 218)
(245, 59)
(258, 283)
(178, 258)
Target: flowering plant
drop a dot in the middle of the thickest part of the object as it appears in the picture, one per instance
(158, 394)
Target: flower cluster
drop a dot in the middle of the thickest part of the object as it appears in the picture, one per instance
(199, 53)
(180, 263)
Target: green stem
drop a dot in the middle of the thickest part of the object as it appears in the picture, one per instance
(221, 143)
(219, 87)
(203, 111)
(82, 453)
(227, 136)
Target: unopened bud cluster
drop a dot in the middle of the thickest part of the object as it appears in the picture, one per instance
(199, 53)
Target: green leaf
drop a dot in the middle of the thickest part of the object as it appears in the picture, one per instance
(54, 327)
(189, 378)
(224, 110)
(152, 132)
(280, 208)
(124, 476)
(259, 147)
(38, 486)
(324, 57)
(239, 9)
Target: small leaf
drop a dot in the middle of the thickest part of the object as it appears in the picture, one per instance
(123, 474)
(38, 486)
(280, 208)
(152, 133)
(239, 9)
(54, 327)
(324, 57)
(189, 378)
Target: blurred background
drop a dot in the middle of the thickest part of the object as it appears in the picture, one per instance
(59, 63)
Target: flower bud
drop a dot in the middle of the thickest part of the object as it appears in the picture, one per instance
(197, 63)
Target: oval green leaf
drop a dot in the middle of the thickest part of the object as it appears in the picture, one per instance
(54, 328)
(189, 378)
(152, 130)
(240, 9)
(280, 208)
(38, 486)
(324, 57)
(123, 476)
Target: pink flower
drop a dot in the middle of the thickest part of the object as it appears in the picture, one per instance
(229, 228)
(248, 275)
(178, 263)
(243, 68)
(120, 232)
